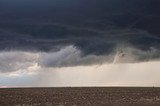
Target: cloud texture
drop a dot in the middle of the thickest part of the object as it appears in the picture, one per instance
(40, 38)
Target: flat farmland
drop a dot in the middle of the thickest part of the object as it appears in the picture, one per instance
(80, 96)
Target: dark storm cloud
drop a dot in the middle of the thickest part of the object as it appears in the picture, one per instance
(96, 27)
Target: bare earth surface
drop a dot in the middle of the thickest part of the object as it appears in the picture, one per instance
(95, 96)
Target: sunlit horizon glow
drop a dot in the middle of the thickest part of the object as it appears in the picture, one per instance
(126, 74)
(66, 68)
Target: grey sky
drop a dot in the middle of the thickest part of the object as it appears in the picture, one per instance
(41, 36)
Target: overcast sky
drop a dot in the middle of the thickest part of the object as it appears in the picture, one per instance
(79, 42)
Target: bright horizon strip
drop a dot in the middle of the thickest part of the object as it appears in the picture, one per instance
(144, 74)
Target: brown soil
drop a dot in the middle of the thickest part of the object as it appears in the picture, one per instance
(94, 96)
